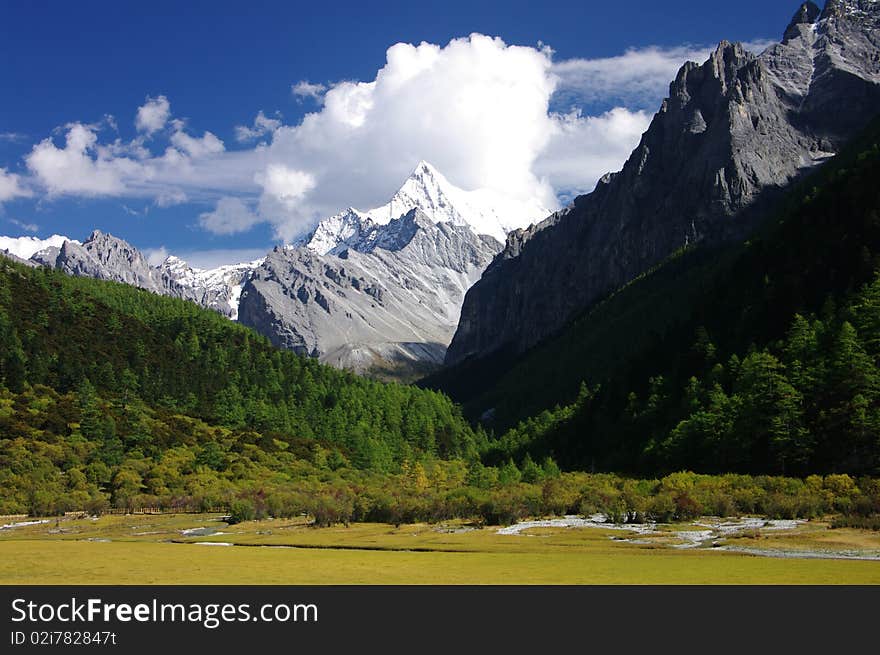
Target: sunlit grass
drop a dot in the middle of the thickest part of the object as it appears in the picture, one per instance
(145, 549)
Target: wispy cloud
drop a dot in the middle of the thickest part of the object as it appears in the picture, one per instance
(134, 212)
(230, 216)
(262, 126)
(27, 227)
(757, 46)
(305, 89)
(639, 78)
(12, 186)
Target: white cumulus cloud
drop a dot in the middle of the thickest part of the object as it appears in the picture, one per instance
(207, 144)
(156, 256)
(153, 115)
(85, 167)
(476, 108)
(77, 168)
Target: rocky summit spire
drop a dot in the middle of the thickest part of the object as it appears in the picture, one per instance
(838, 8)
(806, 15)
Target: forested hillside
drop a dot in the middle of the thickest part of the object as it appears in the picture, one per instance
(126, 348)
(772, 365)
(761, 358)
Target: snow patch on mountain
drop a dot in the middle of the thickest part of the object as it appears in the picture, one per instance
(222, 284)
(347, 228)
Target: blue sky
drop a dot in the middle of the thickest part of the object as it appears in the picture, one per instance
(203, 69)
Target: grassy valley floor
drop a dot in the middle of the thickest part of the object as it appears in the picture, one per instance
(164, 549)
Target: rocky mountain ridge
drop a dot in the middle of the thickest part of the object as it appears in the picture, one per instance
(361, 290)
(106, 257)
(387, 303)
(733, 132)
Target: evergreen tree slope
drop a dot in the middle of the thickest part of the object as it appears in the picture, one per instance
(129, 346)
(761, 357)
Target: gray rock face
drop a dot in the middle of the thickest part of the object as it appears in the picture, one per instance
(806, 15)
(731, 134)
(46, 257)
(16, 258)
(386, 298)
(105, 257)
(217, 288)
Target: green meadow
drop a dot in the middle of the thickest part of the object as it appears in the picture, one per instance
(162, 549)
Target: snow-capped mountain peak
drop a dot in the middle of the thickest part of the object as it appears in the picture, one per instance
(175, 264)
(345, 228)
(484, 211)
(425, 189)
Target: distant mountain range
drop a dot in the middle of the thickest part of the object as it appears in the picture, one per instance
(376, 291)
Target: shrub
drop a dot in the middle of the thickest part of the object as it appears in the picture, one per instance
(464, 503)
(860, 522)
(559, 497)
(723, 505)
(780, 506)
(240, 510)
(661, 508)
(809, 505)
(686, 507)
(503, 509)
(97, 505)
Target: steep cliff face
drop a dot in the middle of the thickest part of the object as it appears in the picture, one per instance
(732, 132)
(388, 300)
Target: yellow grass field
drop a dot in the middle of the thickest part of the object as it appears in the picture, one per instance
(145, 549)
